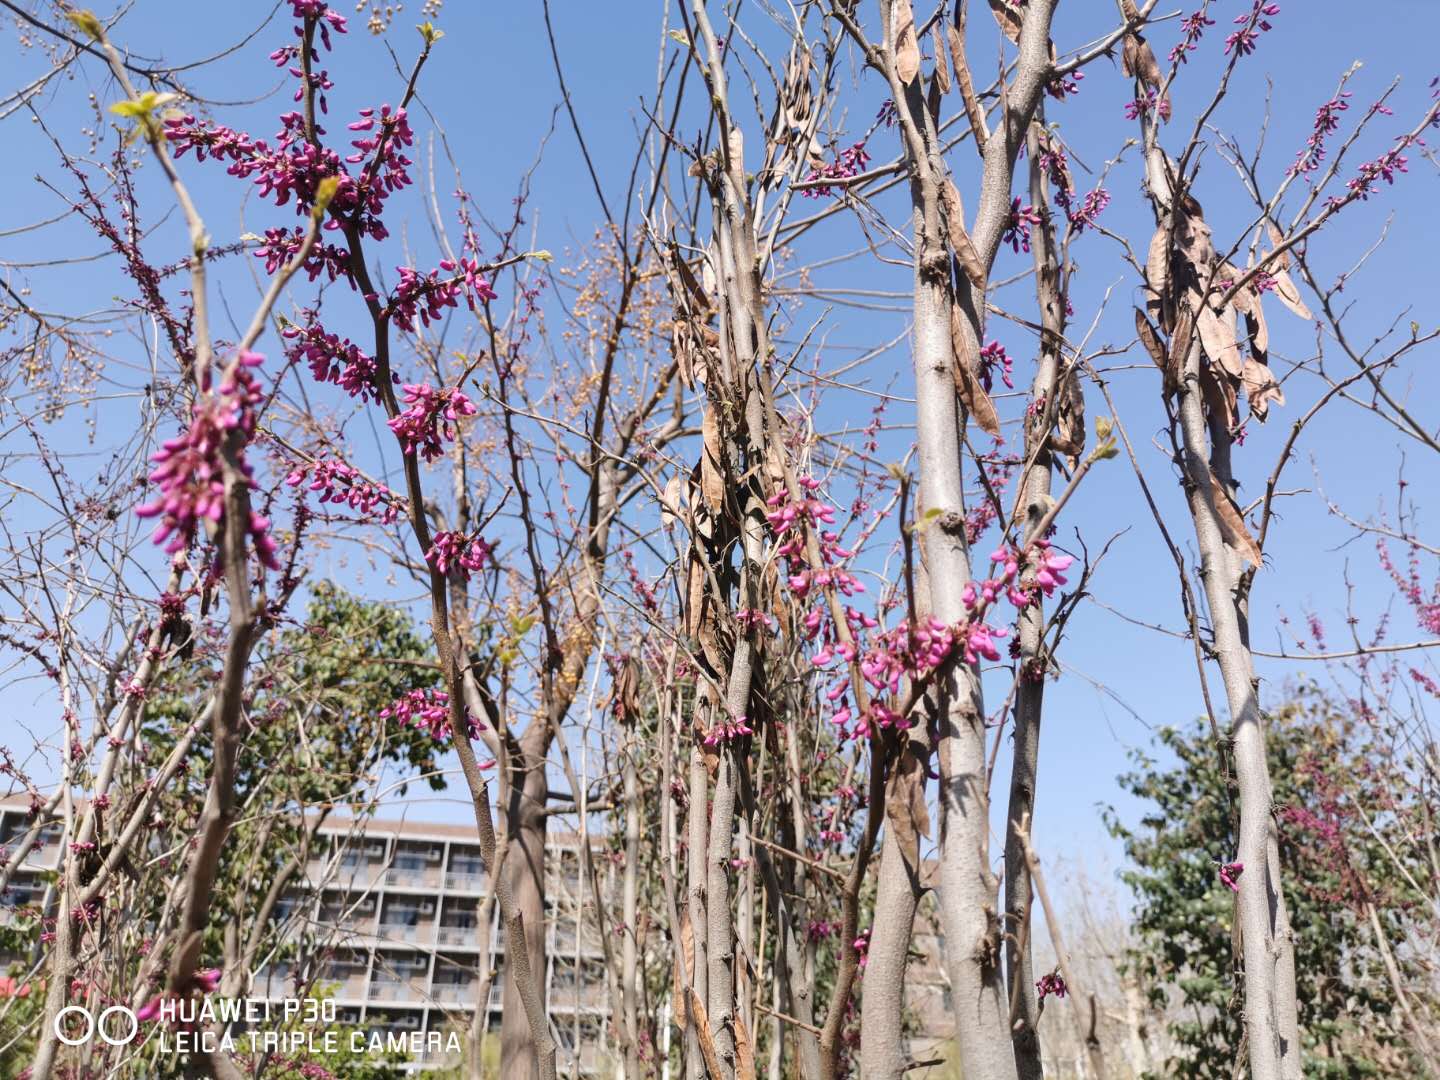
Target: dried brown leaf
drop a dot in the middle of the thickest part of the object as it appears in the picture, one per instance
(1150, 339)
(967, 384)
(1278, 268)
(670, 501)
(1289, 295)
(687, 948)
(905, 805)
(1007, 18)
(967, 86)
(1193, 238)
(712, 470)
(1157, 272)
(687, 278)
(1257, 327)
(1180, 339)
(744, 1049)
(1221, 395)
(1217, 335)
(1232, 523)
(903, 42)
(960, 241)
(702, 1031)
(1069, 435)
(1261, 389)
(942, 68)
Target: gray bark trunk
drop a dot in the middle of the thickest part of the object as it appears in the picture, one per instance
(524, 870)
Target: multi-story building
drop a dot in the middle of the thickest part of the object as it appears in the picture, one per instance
(391, 911)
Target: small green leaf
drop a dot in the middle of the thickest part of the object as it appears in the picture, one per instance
(540, 256)
(678, 36)
(324, 192)
(429, 33)
(87, 23)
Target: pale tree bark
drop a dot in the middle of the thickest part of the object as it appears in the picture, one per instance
(1085, 1035)
(899, 887)
(1033, 664)
(524, 825)
(1271, 1010)
(968, 889)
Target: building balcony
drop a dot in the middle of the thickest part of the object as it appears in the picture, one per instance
(421, 933)
(470, 937)
(402, 877)
(466, 883)
(457, 993)
(390, 990)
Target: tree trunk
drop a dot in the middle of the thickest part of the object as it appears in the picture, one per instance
(898, 890)
(524, 824)
(1033, 664)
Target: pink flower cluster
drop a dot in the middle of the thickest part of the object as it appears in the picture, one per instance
(426, 296)
(464, 554)
(190, 471)
(1063, 86)
(904, 652)
(1142, 106)
(861, 945)
(316, 10)
(1230, 875)
(331, 358)
(1017, 227)
(790, 515)
(427, 710)
(1382, 168)
(1327, 121)
(282, 245)
(1425, 605)
(297, 166)
(727, 731)
(341, 484)
(979, 596)
(1091, 207)
(432, 415)
(1052, 983)
(993, 358)
(1192, 28)
(851, 162)
(1251, 26)
(820, 929)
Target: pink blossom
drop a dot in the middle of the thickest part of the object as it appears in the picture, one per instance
(850, 162)
(1017, 227)
(340, 484)
(190, 471)
(453, 550)
(727, 731)
(1230, 874)
(1193, 28)
(428, 710)
(993, 358)
(1251, 26)
(432, 415)
(332, 359)
(1049, 984)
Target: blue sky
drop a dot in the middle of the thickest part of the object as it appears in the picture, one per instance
(492, 87)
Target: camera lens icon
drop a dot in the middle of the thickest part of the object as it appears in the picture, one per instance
(101, 1024)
